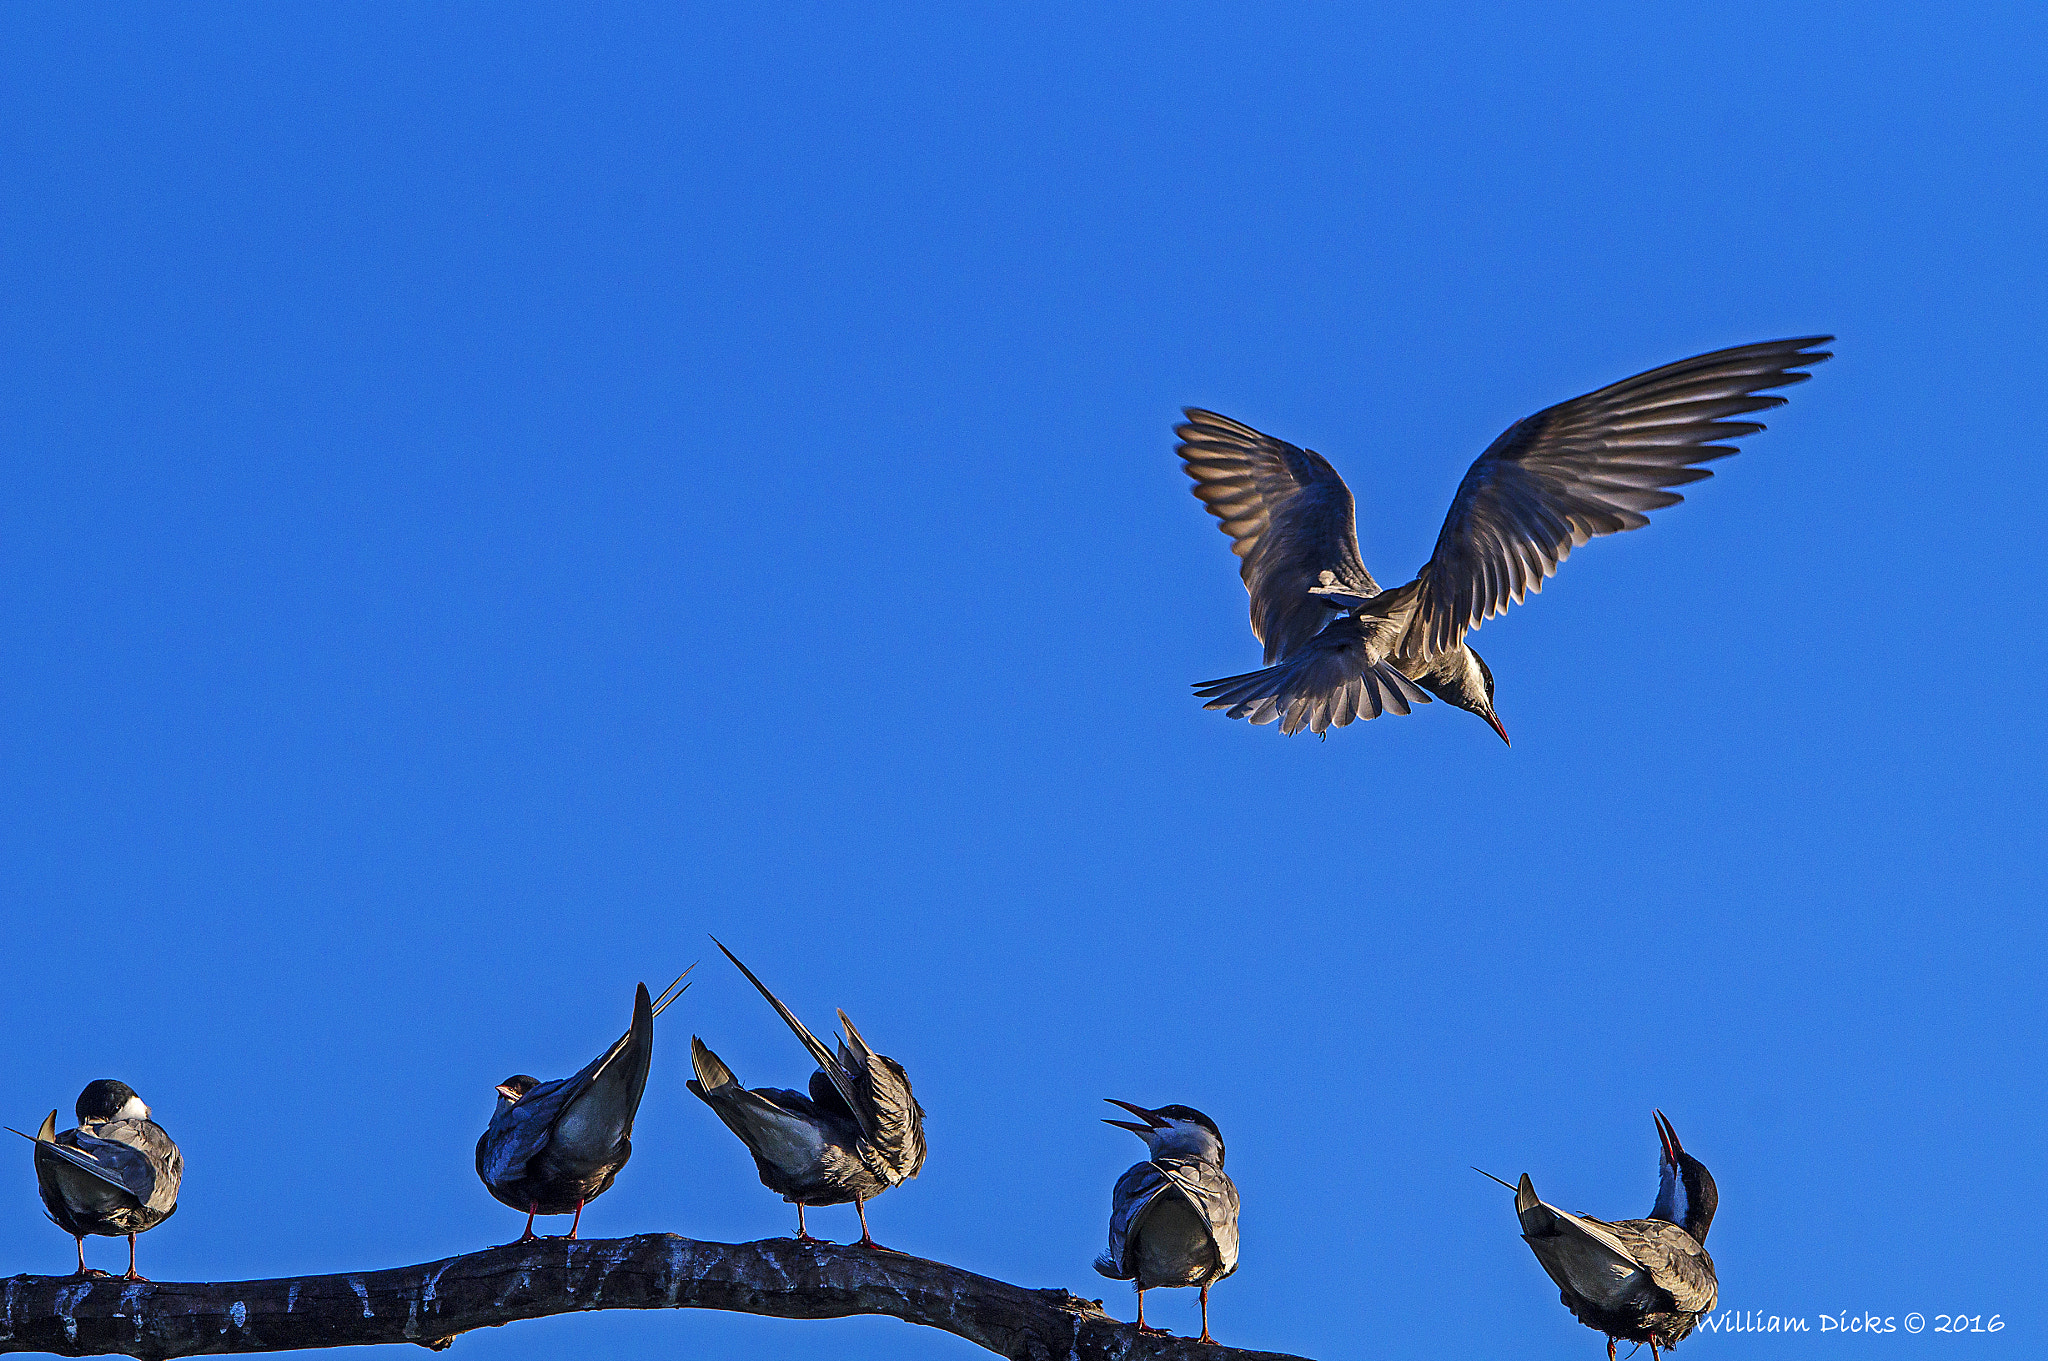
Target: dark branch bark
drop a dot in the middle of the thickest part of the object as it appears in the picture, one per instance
(434, 1303)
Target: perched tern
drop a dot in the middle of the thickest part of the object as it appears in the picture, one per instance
(858, 1133)
(552, 1147)
(1639, 1280)
(1173, 1217)
(115, 1175)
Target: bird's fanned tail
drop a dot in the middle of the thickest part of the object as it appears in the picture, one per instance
(1318, 688)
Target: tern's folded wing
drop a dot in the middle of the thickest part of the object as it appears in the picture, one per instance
(1584, 1256)
(1135, 1191)
(1675, 1260)
(1210, 1190)
(115, 1162)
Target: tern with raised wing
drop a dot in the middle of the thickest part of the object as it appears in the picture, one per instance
(552, 1147)
(1636, 1280)
(1173, 1217)
(1339, 648)
(857, 1133)
(115, 1175)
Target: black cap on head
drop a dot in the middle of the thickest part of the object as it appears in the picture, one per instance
(1191, 1115)
(103, 1099)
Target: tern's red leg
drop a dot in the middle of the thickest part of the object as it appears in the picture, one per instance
(803, 1235)
(133, 1274)
(1610, 1349)
(574, 1222)
(867, 1240)
(1159, 1332)
(1653, 1349)
(81, 1255)
(533, 1208)
(1205, 1319)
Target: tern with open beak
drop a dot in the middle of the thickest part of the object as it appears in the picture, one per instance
(115, 1175)
(1338, 648)
(858, 1133)
(1639, 1280)
(1173, 1217)
(552, 1147)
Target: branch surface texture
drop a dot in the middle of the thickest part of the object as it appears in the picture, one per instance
(433, 1303)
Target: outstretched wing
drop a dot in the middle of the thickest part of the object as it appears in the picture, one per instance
(1591, 466)
(1289, 516)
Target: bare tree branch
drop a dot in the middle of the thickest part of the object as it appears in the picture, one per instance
(433, 1303)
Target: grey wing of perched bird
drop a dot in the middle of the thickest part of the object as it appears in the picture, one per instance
(1586, 1258)
(1675, 1261)
(882, 1090)
(1134, 1193)
(1211, 1191)
(588, 1113)
(1203, 1186)
(836, 1072)
(1290, 517)
(1608, 1264)
(135, 1158)
(789, 1135)
(1587, 467)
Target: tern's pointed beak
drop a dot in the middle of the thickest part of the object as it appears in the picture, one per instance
(1152, 1121)
(508, 1094)
(1668, 1137)
(1491, 717)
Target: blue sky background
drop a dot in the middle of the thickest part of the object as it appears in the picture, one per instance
(492, 495)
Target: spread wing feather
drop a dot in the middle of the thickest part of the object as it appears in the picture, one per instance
(1290, 518)
(1591, 466)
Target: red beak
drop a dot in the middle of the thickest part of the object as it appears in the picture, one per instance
(1152, 1121)
(1494, 719)
(1668, 1137)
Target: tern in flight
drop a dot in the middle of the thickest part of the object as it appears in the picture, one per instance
(1339, 648)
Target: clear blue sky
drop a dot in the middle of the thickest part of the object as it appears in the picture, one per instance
(492, 495)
